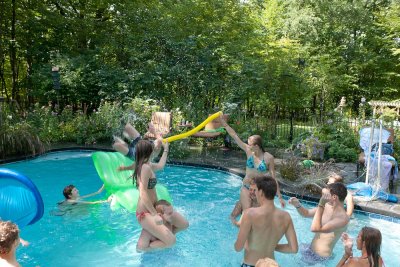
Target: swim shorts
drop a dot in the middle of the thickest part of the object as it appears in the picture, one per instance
(309, 256)
(132, 148)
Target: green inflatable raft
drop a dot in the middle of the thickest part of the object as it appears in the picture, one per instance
(119, 183)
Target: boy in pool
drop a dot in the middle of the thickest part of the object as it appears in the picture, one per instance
(71, 194)
(336, 178)
(329, 222)
(262, 227)
(9, 241)
(172, 219)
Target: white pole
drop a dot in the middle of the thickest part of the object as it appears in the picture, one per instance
(371, 137)
(380, 151)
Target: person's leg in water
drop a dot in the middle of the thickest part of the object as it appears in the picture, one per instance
(245, 200)
(164, 237)
(145, 238)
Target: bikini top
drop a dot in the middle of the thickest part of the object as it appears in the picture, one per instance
(262, 167)
(152, 183)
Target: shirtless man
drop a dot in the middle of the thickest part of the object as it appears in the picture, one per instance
(9, 241)
(329, 222)
(262, 227)
(238, 209)
(336, 178)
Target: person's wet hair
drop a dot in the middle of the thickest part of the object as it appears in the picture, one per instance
(268, 186)
(9, 234)
(68, 191)
(338, 189)
(373, 240)
(143, 152)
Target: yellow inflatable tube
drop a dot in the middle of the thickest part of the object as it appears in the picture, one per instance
(193, 131)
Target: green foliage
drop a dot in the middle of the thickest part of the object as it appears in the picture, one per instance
(332, 139)
(312, 148)
(341, 140)
(290, 168)
(47, 123)
(19, 139)
(341, 152)
(388, 116)
(179, 149)
(138, 112)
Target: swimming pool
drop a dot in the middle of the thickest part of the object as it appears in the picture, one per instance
(96, 236)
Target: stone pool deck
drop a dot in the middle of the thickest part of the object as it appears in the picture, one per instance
(234, 161)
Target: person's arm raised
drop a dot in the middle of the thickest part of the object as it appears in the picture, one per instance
(330, 226)
(308, 213)
(292, 246)
(157, 148)
(94, 193)
(234, 135)
(346, 259)
(87, 202)
(349, 204)
(163, 160)
(244, 231)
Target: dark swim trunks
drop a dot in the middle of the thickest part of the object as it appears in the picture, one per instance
(246, 265)
(309, 256)
(132, 148)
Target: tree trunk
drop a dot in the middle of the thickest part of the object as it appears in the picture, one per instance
(13, 54)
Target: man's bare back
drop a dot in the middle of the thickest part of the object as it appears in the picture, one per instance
(262, 227)
(267, 228)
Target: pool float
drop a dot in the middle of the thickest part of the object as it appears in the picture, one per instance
(119, 183)
(20, 200)
(366, 190)
(193, 131)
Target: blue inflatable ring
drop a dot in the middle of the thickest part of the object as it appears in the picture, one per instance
(20, 200)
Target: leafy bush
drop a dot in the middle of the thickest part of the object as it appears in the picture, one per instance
(179, 149)
(46, 122)
(312, 148)
(341, 152)
(138, 112)
(19, 139)
(290, 168)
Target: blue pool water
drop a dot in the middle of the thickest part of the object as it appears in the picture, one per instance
(97, 236)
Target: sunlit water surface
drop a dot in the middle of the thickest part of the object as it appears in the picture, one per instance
(96, 236)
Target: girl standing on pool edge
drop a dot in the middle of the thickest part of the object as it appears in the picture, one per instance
(258, 163)
(145, 179)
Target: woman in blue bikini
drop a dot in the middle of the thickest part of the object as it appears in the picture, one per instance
(258, 163)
